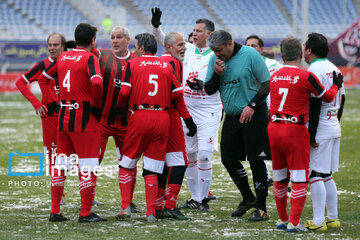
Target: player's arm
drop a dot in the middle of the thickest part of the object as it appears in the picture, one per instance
(184, 113)
(155, 22)
(319, 89)
(314, 113)
(96, 82)
(125, 88)
(176, 89)
(28, 78)
(340, 111)
(213, 75)
(44, 82)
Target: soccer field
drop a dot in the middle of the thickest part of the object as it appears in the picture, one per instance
(25, 201)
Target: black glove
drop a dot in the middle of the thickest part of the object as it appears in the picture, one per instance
(338, 80)
(155, 19)
(55, 107)
(70, 45)
(197, 84)
(189, 122)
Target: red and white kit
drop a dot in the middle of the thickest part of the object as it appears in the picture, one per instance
(150, 85)
(290, 89)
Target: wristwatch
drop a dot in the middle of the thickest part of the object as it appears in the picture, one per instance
(252, 105)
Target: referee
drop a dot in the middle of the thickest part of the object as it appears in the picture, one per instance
(241, 76)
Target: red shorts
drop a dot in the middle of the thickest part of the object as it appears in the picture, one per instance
(290, 151)
(49, 130)
(118, 133)
(176, 148)
(147, 134)
(86, 145)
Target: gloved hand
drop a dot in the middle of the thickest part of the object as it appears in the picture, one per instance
(338, 80)
(189, 122)
(155, 19)
(197, 84)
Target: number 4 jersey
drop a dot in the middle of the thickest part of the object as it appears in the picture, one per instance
(290, 90)
(80, 89)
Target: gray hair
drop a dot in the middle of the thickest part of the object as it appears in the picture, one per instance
(124, 30)
(148, 41)
(217, 38)
(170, 38)
(290, 48)
(62, 38)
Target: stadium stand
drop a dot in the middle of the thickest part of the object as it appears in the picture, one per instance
(35, 19)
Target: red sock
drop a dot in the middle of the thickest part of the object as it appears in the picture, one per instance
(160, 199)
(125, 182)
(134, 172)
(151, 190)
(280, 192)
(172, 192)
(297, 201)
(87, 188)
(57, 190)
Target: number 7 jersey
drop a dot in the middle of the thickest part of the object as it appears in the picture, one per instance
(290, 90)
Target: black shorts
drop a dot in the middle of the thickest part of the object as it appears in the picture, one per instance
(250, 140)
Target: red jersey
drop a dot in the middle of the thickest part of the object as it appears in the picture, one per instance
(179, 104)
(112, 71)
(32, 75)
(151, 84)
(290, 89)
(80, 86)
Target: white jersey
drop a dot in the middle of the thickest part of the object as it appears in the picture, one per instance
(195, 66)
(329, 126)
(272, 65)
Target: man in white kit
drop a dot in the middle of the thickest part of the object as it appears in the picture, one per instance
(325, 132)
(205, 110)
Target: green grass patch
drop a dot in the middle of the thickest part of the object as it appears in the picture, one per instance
(25, 201)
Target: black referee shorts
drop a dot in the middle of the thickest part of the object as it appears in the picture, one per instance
(250, 140)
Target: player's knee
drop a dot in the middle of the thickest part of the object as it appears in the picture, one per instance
(147, 172)
(204, 156)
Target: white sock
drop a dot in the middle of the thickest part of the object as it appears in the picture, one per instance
(331, 198)
(205, 174)
(318, 197)
(192, 176)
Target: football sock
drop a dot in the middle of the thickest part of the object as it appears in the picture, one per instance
(280, 192)
(318, 198)
(125, 183)
(160, 199)
(204, 181)
(87, 188)
(172, 192)
(192, 176)
(240, 179)
(331, 198)
(57, 190)
(261, 185)
(134, 172)
(297, 201)
(151, 190)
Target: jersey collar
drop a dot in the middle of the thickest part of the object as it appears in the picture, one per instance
(291, 66)
(125, 57)
(204, 53)
(317, 60)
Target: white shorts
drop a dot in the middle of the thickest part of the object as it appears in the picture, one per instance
(325, 158)
(206, 138)
(150, 164)
(175, 159)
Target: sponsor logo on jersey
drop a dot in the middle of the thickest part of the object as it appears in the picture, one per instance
(285, 78)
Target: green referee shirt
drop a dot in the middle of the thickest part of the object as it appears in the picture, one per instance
(241, 79)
